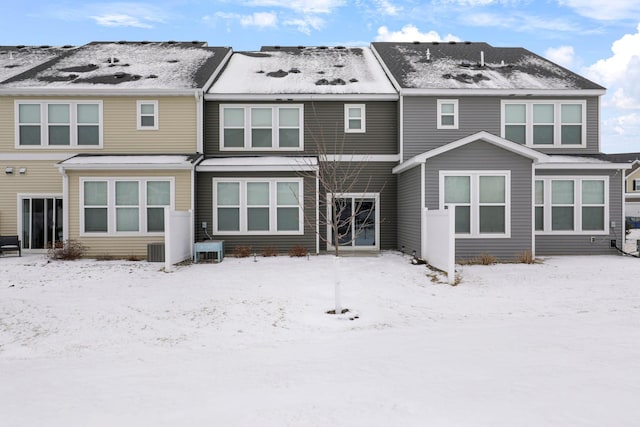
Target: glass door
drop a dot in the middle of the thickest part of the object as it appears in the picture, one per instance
(41, 222)
(357, 221)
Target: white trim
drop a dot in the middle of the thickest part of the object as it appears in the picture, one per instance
(215, 73)
(502, 92)
(44, 124)
(275, 127)
(273, 207)
(483, 136)
(56, 157)
(533, 210)
(361, 158)
(112, 208)
(577, 205)
(401, 128)
(570, 165)
(199, 123)
(280, 97)
(43, 91)
(258, 164)
(127, 166)
(139, 114)
(474, 202)
(557, 121)
(423, 214)
(363, 118)
(317, 230)
(352, 246)
(440, 103)
(20, 214)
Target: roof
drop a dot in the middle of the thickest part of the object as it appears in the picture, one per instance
(130, 161)
(15, 60)
(304, 70)
(623, 157)
(126, 65)
(467, 65)
(262, 164)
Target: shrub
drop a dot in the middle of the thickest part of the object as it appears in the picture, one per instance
(298, 251)
(242, 251)
(485, 259)
(269, 251)
(69, 250)
(525, 257)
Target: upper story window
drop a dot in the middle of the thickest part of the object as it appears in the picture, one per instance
(545, 123)
(635, 185)
(147, 115)
(124, 206)
(261, 127)
(58, 124)
(354, 118)
(481, 202)
(447, 114)
(572, 205)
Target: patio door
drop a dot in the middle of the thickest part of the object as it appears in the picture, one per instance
(41, 222)
(358, 221)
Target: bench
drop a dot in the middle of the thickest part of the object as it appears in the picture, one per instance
(10, 244)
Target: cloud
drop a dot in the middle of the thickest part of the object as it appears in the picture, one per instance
(120, 21)
(385, 7)
(303, 6)
(604, 10)
(259, 19)
(410, 33)
(520, 22)
(563, 55)
(139, 15)
(306, 23)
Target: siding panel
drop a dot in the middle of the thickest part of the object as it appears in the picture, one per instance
(409, 211)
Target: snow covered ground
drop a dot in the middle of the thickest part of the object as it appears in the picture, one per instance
(244, 343)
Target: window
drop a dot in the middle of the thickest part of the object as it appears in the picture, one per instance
(125, 206)
(447, 114)
(261, 127)
(571, 205)
(354, 118)
(481, 202)
(60, 124)
(257, 206)
(635, 186)
(147, 115)
(544, 123)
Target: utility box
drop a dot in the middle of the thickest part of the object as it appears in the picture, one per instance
(155, 252)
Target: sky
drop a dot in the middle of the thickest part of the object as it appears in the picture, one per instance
(599, 39)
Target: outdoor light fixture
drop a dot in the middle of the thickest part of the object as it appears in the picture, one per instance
(8, 170)
(22, 171)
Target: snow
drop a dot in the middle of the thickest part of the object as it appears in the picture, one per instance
(133, 159)
(14, 61)
(245, 343)
(173, 67)
(248, 73)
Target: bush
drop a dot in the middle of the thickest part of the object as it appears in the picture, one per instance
(298, 251)
(525, 257)
(242, 251)
(69, 250)
(269, 251)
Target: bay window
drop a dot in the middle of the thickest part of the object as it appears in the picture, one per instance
(257, 206)
(566, 205)
(261, 127)
(480, 200)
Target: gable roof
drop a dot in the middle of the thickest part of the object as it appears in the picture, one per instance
(110, 66)
(479, 66)
(15, 60)
(482, 136)
(296, 72)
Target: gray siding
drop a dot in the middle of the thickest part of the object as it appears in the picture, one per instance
(476, 113)
(204, 212)
(568, 244)
(485, 156)
(409, 211)
(323, 124)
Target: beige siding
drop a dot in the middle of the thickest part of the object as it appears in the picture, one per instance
(629, 180)
(124, 246)
(41, 178)
(177, 126)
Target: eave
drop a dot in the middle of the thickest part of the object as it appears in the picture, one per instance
(502, 92)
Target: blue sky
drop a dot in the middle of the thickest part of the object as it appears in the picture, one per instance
(599, 39)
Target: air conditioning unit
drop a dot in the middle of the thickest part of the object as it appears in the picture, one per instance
(155, 252)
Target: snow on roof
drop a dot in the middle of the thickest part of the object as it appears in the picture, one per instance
(142, 65)
(18, 59)
(574, 159)
(304, 70)
(273, 163)
(127, 161)
(475, 66)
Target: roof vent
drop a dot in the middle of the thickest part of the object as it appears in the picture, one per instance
(301, 47)
(482, 58)
(152, 76)
(145, 42)
(467, 42)
(45, 46)
(340, 47)
(294, 71)
(435, 43)
(428, 55)
(171, 42)
(339, 65)
(21, 46)
(172, 61)
(322, 82)
(122, 42)
(452, 42)
(276, 47)
(67, 46)
(338, 82)
(354, 80)
(278, 74)
(322, 47)
(416, 42)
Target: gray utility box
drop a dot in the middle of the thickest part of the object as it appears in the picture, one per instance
(155, 252)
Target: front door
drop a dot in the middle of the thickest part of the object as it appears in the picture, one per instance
(41, 222)
(358, 222)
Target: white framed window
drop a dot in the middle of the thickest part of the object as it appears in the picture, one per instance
(447, 114)
(147, 112)
(124, 206)
(635, 185)
(481, 201)
(257, 206)
(58, 124)
(263, 127)
(567, 205)
(355, 118)
(544, 123)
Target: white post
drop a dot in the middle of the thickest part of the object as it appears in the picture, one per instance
(336, 280)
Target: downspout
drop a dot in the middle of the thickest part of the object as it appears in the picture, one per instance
(65, 204)
(199, 121)
(423, 217)
(533, 209)
(318, 211)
